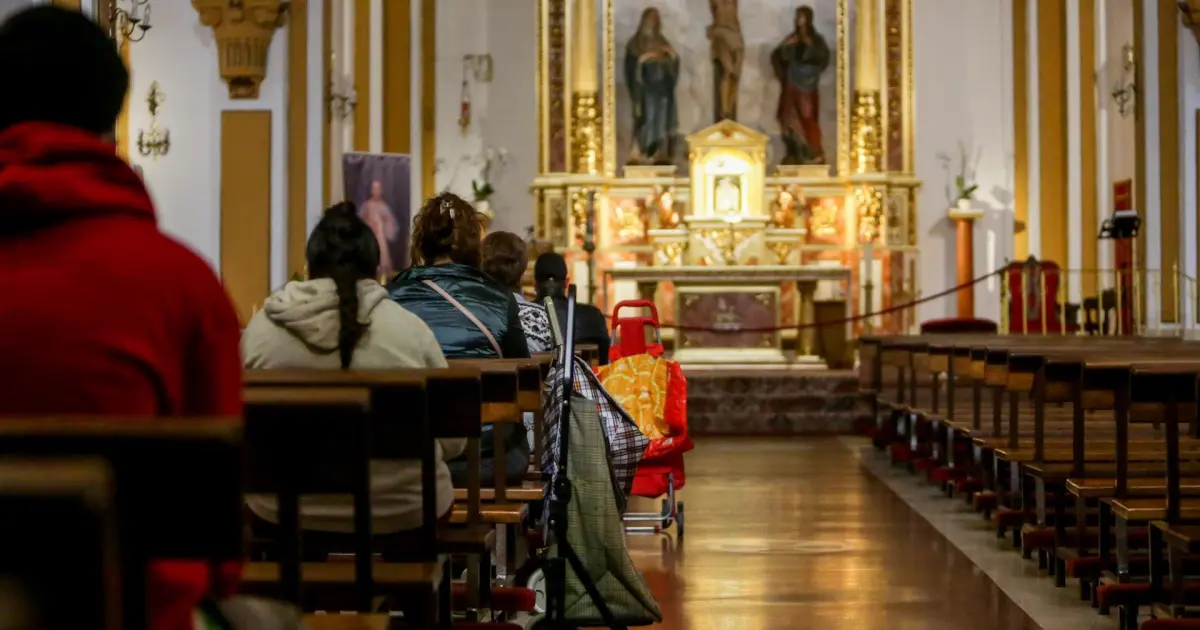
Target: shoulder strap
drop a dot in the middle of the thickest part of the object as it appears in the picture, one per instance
(471, 316)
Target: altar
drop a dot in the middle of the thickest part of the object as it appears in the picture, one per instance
(733, 315)
(672, 166)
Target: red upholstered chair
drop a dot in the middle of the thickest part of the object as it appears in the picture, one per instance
(954, 325)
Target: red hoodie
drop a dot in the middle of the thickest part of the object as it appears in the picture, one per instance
(103, 314)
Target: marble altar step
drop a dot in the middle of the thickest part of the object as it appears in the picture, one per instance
(760, 401)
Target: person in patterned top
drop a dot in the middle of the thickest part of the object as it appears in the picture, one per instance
(505, 260)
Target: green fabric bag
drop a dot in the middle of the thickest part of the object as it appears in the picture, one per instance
(596, 533)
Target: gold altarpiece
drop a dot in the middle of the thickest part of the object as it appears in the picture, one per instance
(790, 216)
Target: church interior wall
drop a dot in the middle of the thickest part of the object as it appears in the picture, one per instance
(503, 110)
(510, 121)
(964, 95)
(180, 54)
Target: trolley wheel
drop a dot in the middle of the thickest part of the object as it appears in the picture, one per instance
(537, 584)
(679, 519)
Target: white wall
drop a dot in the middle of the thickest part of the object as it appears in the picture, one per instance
(511, 118)
(962, 53)
(181, 55)
(503, 112)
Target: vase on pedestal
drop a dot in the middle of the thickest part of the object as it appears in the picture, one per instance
(484, 207)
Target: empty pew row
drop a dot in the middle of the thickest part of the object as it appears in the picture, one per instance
(1087, 451)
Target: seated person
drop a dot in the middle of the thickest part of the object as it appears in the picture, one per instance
(342, 318)
(550, 274)
(505, 259)
(152, 333)
(472, 316)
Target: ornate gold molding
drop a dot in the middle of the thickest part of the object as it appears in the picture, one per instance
(587, 135)
(1191, 16)
(868, 146)
(243, 30)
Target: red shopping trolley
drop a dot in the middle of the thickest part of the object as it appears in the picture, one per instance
(661, 469)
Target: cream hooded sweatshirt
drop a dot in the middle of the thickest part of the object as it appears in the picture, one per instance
(298, 328)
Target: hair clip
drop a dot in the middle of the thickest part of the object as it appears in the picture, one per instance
(447, 207)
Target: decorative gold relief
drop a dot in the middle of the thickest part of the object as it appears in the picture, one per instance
(823, 223)
(243, 30)
(782, 251)
(629, 222)
(586, 138)
(689, 299)
(867, 145)
(766, 340)
(869, 201)
(766, 299)
(668, 254)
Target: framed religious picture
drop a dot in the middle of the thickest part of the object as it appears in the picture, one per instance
(379, 184)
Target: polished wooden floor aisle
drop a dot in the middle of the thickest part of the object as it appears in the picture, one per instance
(793, 533)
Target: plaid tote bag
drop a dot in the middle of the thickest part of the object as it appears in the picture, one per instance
(624, 441)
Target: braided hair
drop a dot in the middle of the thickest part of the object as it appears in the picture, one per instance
(447, 227)
(343, 248)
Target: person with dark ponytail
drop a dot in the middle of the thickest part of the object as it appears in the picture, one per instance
(550, 277)
(341, 317)
(472, 315)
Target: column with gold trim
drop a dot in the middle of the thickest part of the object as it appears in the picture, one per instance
(867, 152)
(586, 131)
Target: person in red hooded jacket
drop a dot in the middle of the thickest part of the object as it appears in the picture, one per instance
(101, 313)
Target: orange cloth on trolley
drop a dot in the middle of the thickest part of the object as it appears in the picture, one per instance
(639, 384)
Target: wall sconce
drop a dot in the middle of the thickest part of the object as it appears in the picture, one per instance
(154, 142)
(343, 98)
(1125, 94)
(128, 24)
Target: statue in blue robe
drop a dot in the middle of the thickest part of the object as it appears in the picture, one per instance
(651, 72)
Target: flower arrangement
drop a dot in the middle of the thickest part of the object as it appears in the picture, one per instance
(490, 161)
(964, 181)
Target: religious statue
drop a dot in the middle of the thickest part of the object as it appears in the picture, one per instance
(785, 207)
(798, 61)
(728, 52)
(651, 72)
(661, 201)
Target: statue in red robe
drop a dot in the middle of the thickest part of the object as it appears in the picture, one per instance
(798, 61)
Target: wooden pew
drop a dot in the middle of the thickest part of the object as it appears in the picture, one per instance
(1071, 437)
(59, 514)
(405, 410)
(161, 469)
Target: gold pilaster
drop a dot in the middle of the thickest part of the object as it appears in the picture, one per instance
(868, 147)
(586, 134)
(586, 126)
